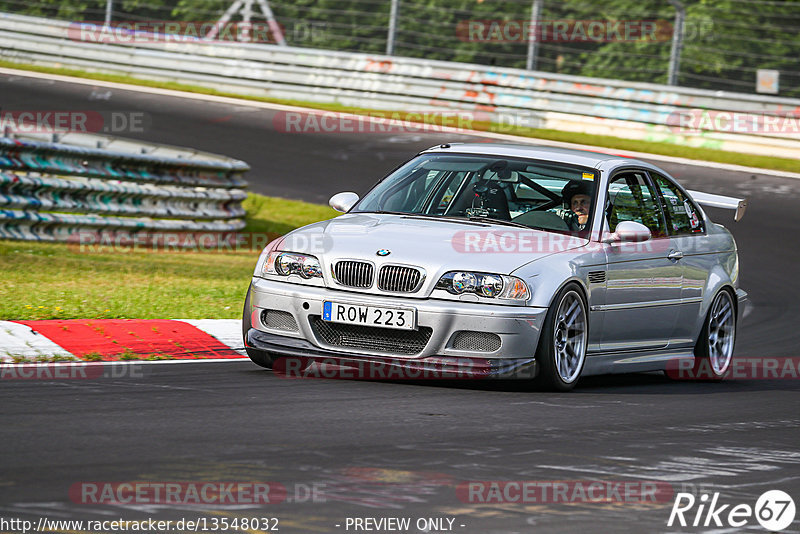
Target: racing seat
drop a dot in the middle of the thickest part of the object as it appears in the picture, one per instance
(495, 200)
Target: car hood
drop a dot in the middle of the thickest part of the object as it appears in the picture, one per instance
(437, 245)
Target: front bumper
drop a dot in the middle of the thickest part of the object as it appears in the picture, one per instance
(518, 330)
(743, 303)
(298, 355)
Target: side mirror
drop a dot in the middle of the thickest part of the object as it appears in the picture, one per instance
(629, 232)
(343, 201)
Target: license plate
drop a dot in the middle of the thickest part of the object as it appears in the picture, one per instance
(400, 318)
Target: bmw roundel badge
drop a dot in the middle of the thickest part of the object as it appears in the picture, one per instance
(383, 252)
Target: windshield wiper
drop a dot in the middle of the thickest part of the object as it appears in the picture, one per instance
(449, 218)
(382, 212)
(455, 218)
(411, 215)
(499, 221)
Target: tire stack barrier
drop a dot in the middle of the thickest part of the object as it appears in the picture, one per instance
(54, 192)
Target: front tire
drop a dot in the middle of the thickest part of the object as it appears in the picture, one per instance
(561, 353)
(714, 350)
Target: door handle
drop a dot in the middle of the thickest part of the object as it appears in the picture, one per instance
(675, 255)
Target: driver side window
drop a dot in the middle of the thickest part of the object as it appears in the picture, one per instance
(631, 198)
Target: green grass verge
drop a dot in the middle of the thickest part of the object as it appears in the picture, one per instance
(661, 146)
(61, 281)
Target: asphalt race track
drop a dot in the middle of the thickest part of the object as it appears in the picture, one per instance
(401, 449)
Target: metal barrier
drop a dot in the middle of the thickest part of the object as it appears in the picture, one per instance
(54, 191)
(508, 96)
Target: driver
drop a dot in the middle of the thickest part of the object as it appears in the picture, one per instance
(578, 196)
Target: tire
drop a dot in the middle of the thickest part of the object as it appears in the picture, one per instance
(260, 358)
(713, 352)
(561, 353)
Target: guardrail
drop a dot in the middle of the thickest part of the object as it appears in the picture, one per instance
(509, 96)
(54, 191)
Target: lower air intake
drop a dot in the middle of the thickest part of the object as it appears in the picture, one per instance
(475, 341)
(279, 320)
(371, 338)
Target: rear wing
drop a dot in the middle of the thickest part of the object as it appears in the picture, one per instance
(719, 201)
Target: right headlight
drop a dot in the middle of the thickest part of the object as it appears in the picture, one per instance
(487, 285)
(288, 263)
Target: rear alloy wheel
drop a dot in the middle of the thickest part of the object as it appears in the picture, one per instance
(562, 346)
(714, 350)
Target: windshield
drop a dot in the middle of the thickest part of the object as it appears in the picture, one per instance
(532, 193)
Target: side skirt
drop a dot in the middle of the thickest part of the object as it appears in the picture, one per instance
(603, 363)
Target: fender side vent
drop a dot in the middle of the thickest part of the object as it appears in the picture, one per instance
(597, 277)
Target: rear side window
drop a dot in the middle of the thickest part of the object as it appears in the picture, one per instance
(683, 217)
(632, 199)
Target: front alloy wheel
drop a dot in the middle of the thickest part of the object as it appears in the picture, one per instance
(562, 349)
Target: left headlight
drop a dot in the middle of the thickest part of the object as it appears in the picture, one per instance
(484, 284)
(288, 263)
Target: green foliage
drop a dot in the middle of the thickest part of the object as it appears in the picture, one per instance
(726, 41)
(741, 39)
(64, 281)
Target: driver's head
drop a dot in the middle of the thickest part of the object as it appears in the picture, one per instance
(578, 196)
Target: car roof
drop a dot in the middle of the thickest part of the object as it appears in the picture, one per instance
(585, 158)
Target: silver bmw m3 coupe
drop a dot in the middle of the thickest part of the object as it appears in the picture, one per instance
(505, 261)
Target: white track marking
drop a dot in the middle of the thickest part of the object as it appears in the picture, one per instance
(21, 341)
(227, 331)
(490, 135)
(131, 362)
(17, 340)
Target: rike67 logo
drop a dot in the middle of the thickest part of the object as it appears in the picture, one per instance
(774, 510)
